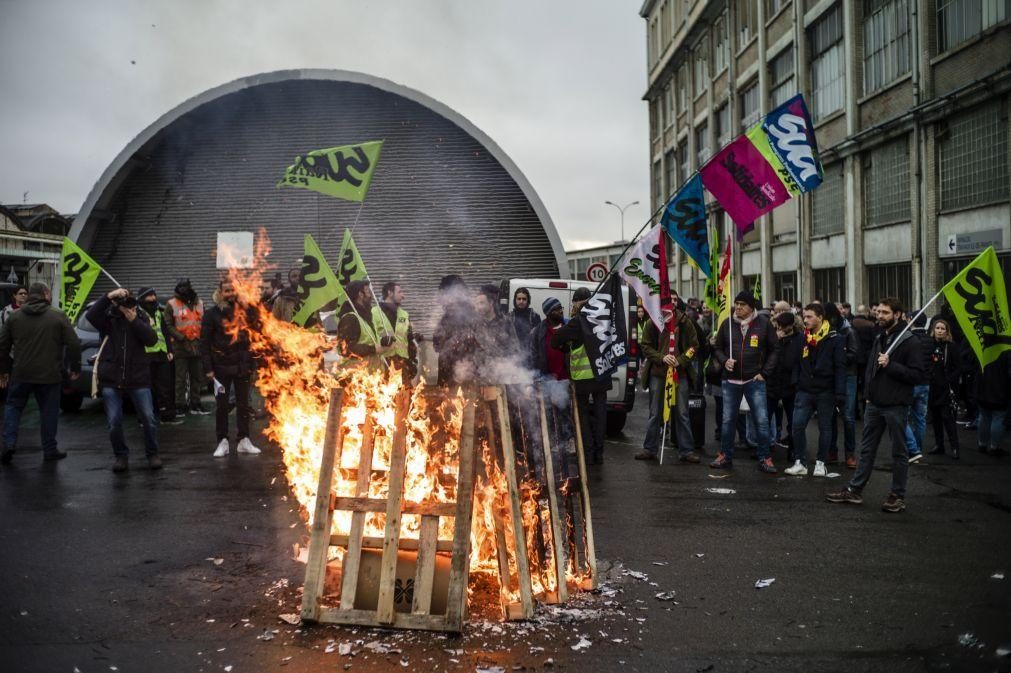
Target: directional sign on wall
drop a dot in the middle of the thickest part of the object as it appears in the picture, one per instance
(972, 243)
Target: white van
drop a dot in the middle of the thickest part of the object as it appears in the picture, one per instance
(622, 394)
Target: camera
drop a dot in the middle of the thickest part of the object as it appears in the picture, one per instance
(129, 301)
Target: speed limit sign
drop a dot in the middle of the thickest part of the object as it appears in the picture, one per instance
(596, 272)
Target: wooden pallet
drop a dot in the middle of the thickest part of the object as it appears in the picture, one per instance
(427, 545)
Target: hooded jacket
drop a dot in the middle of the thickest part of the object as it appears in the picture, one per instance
(754, 351)
(222, 355)
(37, 333)
(123, 363)
(893, 385)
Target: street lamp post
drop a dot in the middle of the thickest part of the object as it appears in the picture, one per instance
(622, 211)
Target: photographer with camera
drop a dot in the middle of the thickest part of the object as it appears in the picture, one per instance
(124, 368)
(228, 363)
(359, 335)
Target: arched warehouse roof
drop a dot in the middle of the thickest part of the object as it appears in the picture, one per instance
(444, 197)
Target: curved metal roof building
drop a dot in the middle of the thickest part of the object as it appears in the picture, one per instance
(444, 198)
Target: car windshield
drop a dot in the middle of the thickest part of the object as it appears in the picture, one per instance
(84, 325)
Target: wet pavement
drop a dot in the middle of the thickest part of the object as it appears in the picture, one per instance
(190, 568)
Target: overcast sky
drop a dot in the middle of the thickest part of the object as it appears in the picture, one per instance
(557, 84)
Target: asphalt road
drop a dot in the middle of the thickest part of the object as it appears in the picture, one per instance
(105, 572)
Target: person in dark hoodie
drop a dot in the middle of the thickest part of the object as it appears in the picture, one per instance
(184, 314)
(228, 364)
(821, 386)
(781, 387)
(591, 393)
(993, 394)
(944, 366)
(37, 333)
(745, 348)
(523, 319)
(890, 378)
(124, 370)
(546, 359)
(160, 356)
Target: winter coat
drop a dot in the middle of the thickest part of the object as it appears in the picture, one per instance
(823, 366)
(782, 383)
(36, 334)
(893, 385)
(754, 352)
(539, 348)
(220, 353)
(523, 323)
(654, 346)
(569, 336)
(864, 328)
(993, 383)
(944, 367)
(851, 347)
(455, 341)
(123, 364)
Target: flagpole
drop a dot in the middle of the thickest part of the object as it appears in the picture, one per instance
(663, 438)
(895, 341)
(109, 276)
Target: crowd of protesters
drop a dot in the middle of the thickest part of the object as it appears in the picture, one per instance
(770, 371)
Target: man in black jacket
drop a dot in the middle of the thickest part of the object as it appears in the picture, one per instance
(745, 348)
(821, 386)
(224, 347)
(36, 334)
(124, 368)
(890, 378)
(161, 355)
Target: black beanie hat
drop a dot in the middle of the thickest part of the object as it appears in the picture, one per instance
(747, 298)
(145, 291)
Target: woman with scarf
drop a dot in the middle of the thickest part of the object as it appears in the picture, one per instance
(944, 365)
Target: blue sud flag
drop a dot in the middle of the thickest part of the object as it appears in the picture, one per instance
(791, 137)
(684, 220)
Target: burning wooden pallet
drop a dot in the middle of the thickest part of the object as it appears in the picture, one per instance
(401, 582)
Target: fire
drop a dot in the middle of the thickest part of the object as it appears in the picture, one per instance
(296, 387)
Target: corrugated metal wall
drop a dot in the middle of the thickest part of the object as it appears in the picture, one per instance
(439, 203)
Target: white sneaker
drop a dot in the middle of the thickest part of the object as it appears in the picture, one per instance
(246, 446)
(222, 449)
(796, 470)
(819, 469)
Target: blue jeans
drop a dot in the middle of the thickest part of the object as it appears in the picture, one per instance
(754, 391)
(878, 421)
(849, 419)
(990, 432)
(804, 406)
(47, 396)
(143, 403)
(917, 424)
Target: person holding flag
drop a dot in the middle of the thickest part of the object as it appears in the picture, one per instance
(360, 344)
(669, 370)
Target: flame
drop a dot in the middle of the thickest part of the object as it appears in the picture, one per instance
(296, 387)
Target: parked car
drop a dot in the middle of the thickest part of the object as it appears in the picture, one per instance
(74, 392)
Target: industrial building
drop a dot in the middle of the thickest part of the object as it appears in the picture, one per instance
(31, 237)
(444, 198)
(909, 99)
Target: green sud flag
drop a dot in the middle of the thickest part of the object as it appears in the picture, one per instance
(318, 285)
(757, 290)
(343, 172)
(79, 275)
(351, 268)
(978, 298)
(712, 280)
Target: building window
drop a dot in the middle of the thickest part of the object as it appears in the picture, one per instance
(973, 153)
(890, 280)
(828, 64)
(665, 24)
(830, 284)
(668, 104)
(773, 7)
(952, 267)
(747, 22)
(784, 287)
(683, 88)
(886, 42)
(721, 46)
(686, 164)
(827, 203)
(886, 184)
(702, 152)
(572, 268)
(654, 118)
(677, 17)
(722, 117)
(670, 161)
(659, 197)
(652, 44)
(750, 106)
(701, 69)
(781, 87)
(959, 20)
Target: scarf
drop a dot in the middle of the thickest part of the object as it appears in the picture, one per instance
(814, 338)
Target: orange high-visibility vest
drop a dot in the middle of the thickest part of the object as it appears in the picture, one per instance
(187, 319)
